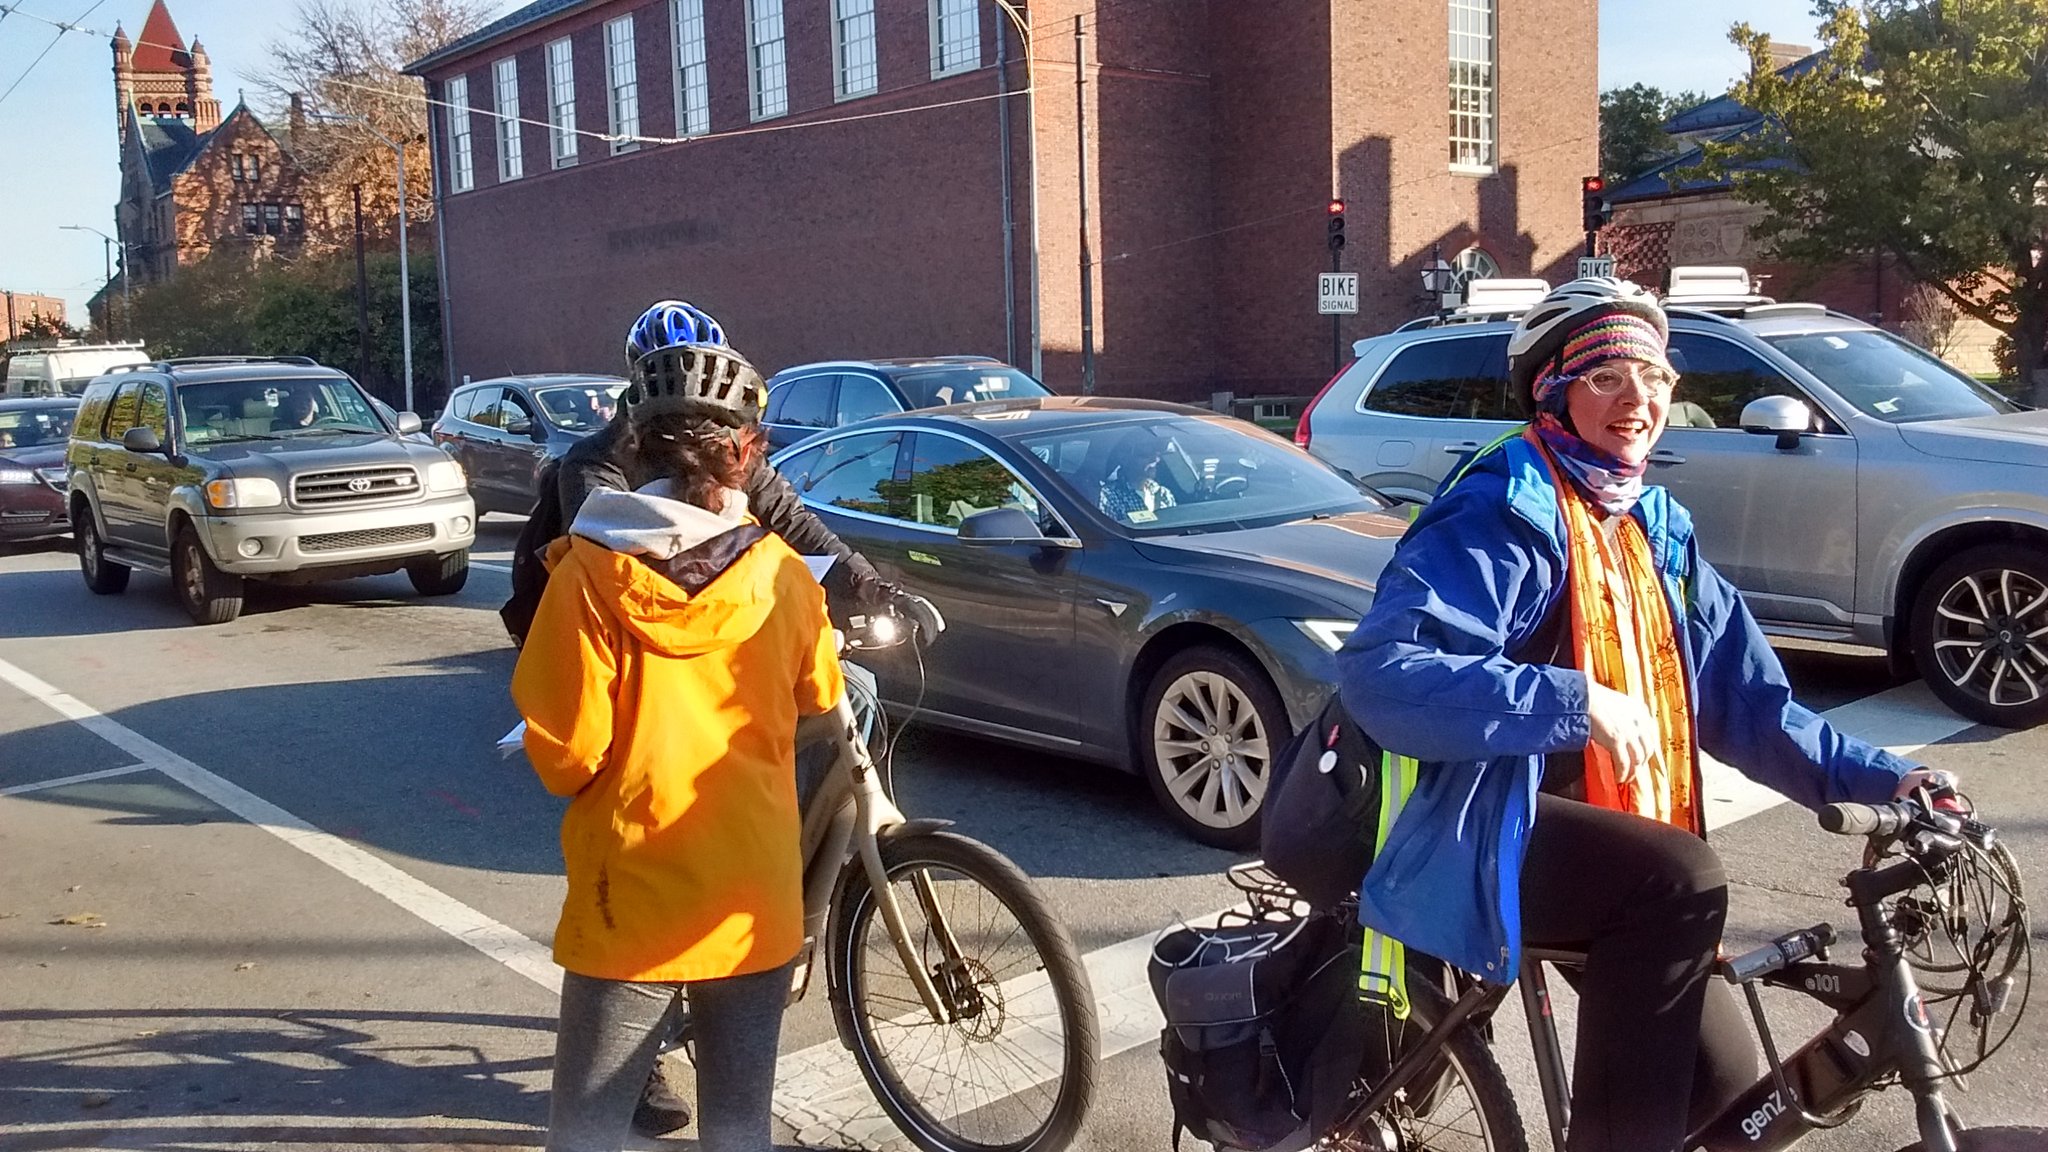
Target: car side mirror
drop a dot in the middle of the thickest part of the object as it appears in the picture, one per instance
(519, 427)
(408, 423)
(141, 440)
(538, 431)
(1781, 416)
(1006, 526)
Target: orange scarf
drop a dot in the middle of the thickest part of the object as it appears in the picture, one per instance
(1624, 637)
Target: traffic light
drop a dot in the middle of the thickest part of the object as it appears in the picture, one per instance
(1336, 225)
(1597, 211)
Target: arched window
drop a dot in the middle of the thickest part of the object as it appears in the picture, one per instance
(1474, 263)
(184, 109)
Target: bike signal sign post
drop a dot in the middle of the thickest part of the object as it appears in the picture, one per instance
(1336, 291)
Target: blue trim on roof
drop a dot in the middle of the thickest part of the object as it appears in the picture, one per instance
(1722, 120)
(503, 26)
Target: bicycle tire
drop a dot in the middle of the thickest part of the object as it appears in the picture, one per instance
(1467, 1056)
(932, 1125)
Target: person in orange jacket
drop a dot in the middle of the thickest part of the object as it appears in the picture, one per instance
(673, 651)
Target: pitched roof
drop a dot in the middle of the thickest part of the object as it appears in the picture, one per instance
(160, 48)
(1722, 120)
(519, 20)
(169, 145)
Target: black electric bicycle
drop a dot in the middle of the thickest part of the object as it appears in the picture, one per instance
(1945, 951)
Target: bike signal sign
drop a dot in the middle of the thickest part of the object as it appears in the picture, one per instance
(1596, 266)
(1337, 294)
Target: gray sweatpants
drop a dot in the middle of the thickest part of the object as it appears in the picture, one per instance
(609, 1036)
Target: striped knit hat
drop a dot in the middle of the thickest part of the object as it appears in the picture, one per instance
(1615, 336)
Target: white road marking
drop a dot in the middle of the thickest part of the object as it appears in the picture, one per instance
(437, 908)
(490, 567)
(81, 778)
(819, 1091)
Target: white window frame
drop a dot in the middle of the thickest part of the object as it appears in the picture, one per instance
(505, 92)
(461, 148)
(767, 61)
(965, 52)
(693, 80)
(561, 77)
(622, 82)
(856, 50)
(1474, 86)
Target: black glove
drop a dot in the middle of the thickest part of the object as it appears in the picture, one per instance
(874, 596)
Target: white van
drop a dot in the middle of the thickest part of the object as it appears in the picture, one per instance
(65, 368)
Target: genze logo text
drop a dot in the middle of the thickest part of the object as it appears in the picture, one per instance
(1758, 1122)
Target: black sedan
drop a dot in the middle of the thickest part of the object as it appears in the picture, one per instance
(809, 398)
(1147, 585)
(503, 430)
(33, 436)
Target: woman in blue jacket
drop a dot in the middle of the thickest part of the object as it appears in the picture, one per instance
(1550, 643)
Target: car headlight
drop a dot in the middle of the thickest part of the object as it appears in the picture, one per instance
(446, 476)
(1331, 634)
(249, 492)
(17, 476)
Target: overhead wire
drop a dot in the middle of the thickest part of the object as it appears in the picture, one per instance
(61, 29)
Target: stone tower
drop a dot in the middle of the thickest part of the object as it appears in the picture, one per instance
(162, 77)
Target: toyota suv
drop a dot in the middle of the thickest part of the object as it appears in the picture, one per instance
(1854, 487)
(218, 470)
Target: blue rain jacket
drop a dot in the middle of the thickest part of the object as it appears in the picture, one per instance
(1432, 673)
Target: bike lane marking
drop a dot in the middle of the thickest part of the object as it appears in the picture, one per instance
(78, 778)
(819, 1090)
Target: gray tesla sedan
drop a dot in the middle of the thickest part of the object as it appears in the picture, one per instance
(1147, 585)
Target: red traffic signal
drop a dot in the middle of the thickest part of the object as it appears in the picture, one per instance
(1336, 207)
(1592, 185)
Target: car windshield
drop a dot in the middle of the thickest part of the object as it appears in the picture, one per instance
(1180, 474)
(580, 407)
(273, 410)
(35, 427)
(1885, 377)
(966, 384)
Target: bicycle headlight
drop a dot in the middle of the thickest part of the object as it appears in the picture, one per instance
(245, 492)
(1331, 634)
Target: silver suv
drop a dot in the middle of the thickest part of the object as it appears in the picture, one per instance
(1853, 486)
(216, 469)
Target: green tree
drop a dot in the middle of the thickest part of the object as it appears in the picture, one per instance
(1632, 137)
(1922, 135)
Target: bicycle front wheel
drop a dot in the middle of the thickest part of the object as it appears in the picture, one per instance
(1011, 1067)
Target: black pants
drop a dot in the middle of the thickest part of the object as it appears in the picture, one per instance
(1659, 1045)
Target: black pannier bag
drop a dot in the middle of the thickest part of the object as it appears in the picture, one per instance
(1255, 1055)
(1320, 828)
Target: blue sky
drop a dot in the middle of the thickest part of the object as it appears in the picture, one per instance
(57, 128)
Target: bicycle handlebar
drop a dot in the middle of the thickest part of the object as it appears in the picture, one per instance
(1866, 819)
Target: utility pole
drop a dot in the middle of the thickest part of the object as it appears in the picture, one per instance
(362, 297)
(108, 302)
(404, 251)
(1081, 173)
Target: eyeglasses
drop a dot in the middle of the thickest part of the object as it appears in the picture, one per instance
(1610, 379)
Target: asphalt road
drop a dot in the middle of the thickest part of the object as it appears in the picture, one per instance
(268, 885)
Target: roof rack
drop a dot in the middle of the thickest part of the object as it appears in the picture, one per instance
(203, 361)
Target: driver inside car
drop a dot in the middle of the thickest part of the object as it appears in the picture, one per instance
(295, 410)
(1133, 492)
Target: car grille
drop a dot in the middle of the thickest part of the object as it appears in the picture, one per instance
(355, 486)
(367, 538)
(55, 478)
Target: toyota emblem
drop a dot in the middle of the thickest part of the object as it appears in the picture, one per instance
(359, 485)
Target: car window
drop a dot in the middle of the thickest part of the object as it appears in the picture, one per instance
(92, 414)
(851, 473)
(966, 384)
(1885, 377)
(580, 407)
(1718, 378)
(154, 412)
(1463, 378)
(863, 397)
(518, 413)
(490, 409)
(464, 406)
(35, 427)
(806, 402)
(951, 480)
(126, 403)
(236, 410)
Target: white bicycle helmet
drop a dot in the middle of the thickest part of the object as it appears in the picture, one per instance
(1542, 333)
(697, 380)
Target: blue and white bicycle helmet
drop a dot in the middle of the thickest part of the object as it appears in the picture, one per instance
(669, 323)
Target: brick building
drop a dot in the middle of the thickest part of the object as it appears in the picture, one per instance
(191, 178)
(24, 307)
(858, 176)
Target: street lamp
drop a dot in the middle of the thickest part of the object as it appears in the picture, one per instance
(404, 265)
(125, 249)
(1439, 279)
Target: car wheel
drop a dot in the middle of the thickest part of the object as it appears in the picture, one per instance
(210, 596)
(1211, 725)
(102, 575)
(439, 575)
(1980, 635)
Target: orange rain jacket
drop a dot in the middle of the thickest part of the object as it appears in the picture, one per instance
(661, 683)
